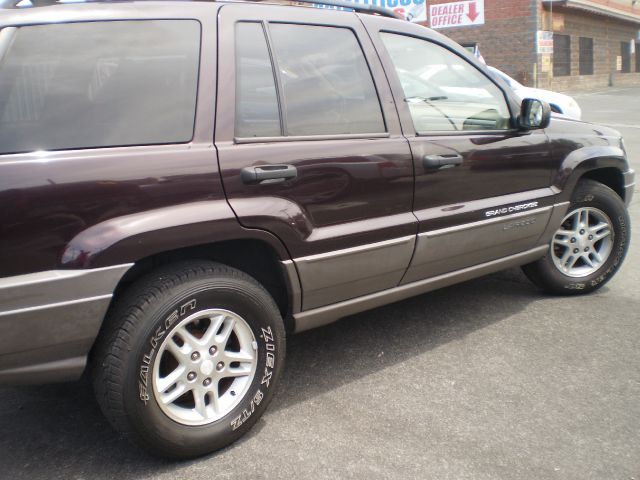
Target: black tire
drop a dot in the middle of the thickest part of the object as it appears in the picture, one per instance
(123, 357)
(544, 274)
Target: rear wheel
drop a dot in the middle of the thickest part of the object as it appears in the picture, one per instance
(188, 358)
(590, 245)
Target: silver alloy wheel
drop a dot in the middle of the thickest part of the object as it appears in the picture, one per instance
(204, 367)
(583, 242)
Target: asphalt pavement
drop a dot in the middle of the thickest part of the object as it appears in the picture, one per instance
(489, 379)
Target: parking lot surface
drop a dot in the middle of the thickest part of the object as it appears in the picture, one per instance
(489, 379)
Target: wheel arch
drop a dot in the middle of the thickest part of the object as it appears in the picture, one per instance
(610, 176)
(205, 230)
(604, 164)
(252, 256)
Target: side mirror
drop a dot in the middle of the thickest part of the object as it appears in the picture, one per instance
(534, 114)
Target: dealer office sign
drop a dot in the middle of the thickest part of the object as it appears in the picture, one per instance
(456, 14)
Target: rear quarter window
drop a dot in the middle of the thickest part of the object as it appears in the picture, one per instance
(98, 84)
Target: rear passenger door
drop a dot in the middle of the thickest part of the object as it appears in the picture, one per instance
(310, 147)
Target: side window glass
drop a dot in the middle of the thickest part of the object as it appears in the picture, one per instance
(257, 112)
(98, 84)
(444, 92)
(327, 86)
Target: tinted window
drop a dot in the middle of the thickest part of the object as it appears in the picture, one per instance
(561, 55)
(99, 84)
(586, 56)
(256, 103)
(625, 50)
(327, 85)
(443, 91)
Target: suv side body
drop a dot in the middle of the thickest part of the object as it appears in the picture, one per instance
(363, 221)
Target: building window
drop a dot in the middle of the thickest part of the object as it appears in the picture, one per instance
(561, 55)
(586, 56)
(625, 50)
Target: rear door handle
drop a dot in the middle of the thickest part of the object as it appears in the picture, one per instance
(268, 174)
(438, 162)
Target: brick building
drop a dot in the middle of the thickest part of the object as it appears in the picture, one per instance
(596, 43)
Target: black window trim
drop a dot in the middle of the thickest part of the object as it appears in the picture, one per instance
(625, 54)
(568, 52)
(134, 145)
(280, 96)
(442, 133)
(590, 65)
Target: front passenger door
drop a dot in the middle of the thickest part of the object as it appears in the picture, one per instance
(482, 187)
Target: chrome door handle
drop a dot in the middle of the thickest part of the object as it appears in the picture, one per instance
(268, 173)
(438, 162)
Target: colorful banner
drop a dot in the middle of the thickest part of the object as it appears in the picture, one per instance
(412, 10)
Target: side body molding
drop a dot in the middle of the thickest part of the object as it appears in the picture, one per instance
(132, 237)
(49, 320)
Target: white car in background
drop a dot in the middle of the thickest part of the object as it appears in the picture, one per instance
(559, 102)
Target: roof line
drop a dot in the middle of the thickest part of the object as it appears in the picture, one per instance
(596, 8)
(351, 5)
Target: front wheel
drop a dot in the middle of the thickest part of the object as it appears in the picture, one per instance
(590, 245)
(188, 358)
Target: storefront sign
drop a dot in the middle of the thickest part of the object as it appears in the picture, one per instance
(544, 43)
(412, 10)
(456, 14)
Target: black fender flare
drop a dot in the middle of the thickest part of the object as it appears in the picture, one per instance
(130, 238)
(584, 160)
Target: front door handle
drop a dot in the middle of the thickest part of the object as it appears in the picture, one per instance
(268, 174)
(438, 162)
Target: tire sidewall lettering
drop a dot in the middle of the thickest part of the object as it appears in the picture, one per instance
(268, 340)
(154, 342)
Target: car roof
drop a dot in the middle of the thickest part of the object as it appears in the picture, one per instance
(336, 4)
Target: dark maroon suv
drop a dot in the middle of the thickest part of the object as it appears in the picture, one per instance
(184, 183)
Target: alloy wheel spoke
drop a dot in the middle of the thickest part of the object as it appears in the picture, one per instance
(587, 259)
(236, 372)
(164, 383)
(174, 394)
(597, 257)
(565, 233)
(189, 340)
(575, 221)
(179, 352)
(214, 326)
(600, 231)
(572, 261)
(200, 403)
(238, 357)
(584, 218)
(214, 399)
(565, 257)
(224, 336)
